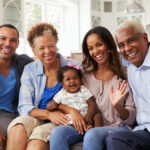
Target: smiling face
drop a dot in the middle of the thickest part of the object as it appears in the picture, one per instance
(133, 46)
(45, 48)
(71, 81)
(97, 49)
(8, 42)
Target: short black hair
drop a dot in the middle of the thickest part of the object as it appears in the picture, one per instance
(10, 26)
(66, 68)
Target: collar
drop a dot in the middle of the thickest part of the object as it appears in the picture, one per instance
(147, 59)
(39, 65)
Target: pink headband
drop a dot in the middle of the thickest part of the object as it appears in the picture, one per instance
(74, 66)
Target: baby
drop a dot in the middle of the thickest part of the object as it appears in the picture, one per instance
(76, 95)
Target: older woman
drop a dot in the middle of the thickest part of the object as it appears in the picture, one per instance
(38, 86)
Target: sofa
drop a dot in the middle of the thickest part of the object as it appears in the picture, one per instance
(77, 146)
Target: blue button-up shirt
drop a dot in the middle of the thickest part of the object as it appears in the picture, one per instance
(139, 79)
(33, 82)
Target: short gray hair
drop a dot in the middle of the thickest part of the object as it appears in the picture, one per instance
(136, 25)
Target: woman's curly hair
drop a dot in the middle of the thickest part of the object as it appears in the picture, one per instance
(39, 30)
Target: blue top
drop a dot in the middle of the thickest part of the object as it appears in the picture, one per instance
(48, 95)
(139, 79)
(8, 90)
(33, 82)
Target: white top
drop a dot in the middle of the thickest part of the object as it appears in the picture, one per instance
(76, 100)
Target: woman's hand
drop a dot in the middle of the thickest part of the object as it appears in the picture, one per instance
(88, 120)
(58, 118)
(117, 95)
(1, 140)
(78, 121)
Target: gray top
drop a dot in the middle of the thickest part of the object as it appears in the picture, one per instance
(110, 116)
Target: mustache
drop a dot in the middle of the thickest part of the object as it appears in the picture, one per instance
(6, 47)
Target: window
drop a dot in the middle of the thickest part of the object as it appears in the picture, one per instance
(59, 15)
(11, 13)
(108, 7)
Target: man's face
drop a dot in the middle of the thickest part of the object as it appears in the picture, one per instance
(133, 46)
(8, 42)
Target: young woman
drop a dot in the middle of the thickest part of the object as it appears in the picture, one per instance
(102, 74)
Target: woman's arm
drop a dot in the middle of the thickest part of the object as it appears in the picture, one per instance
(124, 113)
(27, 91)
(92, 109)
(78, 120)
(56, 117)
(130, 106)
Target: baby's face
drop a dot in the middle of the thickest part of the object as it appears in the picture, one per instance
(71, 81)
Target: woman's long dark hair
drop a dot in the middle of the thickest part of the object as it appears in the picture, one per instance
(89, 64)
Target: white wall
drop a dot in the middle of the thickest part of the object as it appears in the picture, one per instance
(71, 29)
(84, 17)
(1, 11)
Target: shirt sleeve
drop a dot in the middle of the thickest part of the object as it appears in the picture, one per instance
(58, 97)
(26, 95)
(87, 93)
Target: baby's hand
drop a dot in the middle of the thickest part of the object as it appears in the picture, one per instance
(52, 105)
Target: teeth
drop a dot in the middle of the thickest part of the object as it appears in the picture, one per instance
(48, 57)
(72, 85)
(132, 54)
(6, 50)
(99, 56)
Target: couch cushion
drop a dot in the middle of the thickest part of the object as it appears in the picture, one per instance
(77, 146)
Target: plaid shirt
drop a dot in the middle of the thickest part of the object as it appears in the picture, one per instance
(33, 82)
